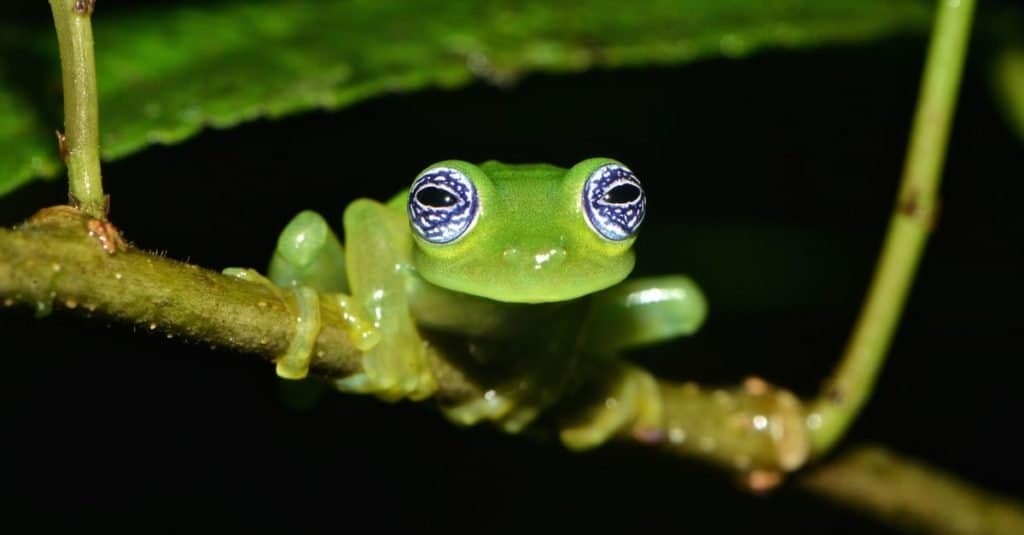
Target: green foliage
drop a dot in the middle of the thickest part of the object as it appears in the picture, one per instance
(165, 73)
(1009, 85)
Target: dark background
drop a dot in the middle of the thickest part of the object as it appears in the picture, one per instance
(770, 181)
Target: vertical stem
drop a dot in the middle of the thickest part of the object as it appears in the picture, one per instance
(846, 392)
(81, 114)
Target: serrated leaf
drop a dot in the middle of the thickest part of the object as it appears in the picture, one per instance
(164, 74)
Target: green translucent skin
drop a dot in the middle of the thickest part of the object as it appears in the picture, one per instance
(531, 287)
(519, 250)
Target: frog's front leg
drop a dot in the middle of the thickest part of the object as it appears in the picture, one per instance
(378, 264)
(644, 311)
(309, 262)
(308, 253)
(634, 313)
(631, 399)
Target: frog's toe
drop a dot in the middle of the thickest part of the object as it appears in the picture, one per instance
(601, 422)
(519, 418)
(360, 330)
(294, 362)
(387, 387)
(596, 431)
(246, 274)
(391, 380)
(422, 385)
(512, 408)
(634, 403)
(490, 406)
(357, 383)
(407, 376)
(398, 387)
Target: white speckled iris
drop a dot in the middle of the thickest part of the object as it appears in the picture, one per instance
(614, 202)
(443, 205)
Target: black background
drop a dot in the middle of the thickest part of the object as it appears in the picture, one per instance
(770, 182)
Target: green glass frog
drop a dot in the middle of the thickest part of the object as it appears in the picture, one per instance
(525, 263)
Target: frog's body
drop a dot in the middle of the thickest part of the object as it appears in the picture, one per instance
(524, 262)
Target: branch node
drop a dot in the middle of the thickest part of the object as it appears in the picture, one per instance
(910, 204)
(108, 235)
(85, 7)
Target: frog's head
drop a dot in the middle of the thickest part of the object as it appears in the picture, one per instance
(525, 233)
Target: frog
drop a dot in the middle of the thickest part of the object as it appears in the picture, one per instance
(527, 265)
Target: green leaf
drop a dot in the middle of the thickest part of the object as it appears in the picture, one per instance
(25, 149)
(166, 73)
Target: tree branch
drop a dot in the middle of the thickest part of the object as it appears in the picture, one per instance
(55, 260)
(908, 493)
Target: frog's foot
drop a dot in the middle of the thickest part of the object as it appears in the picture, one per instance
(634, 402)
(393, 369)
(360, 331)
(511, 405)
(308, 253)
(294, 362)
(391, 375)
(490, 406)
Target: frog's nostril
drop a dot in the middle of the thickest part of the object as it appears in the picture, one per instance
(536, 260)
(548, 258)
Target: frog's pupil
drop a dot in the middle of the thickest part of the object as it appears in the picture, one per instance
(436, 197)
(622, 194)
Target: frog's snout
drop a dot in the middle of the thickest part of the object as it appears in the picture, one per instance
(536, 260)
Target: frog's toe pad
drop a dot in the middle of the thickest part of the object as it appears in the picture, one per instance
(504, 407)
(634, 402)
(595, 431)
(519, 418)
(357, 383)
(246, 274)
(415, 386)
(490, 406)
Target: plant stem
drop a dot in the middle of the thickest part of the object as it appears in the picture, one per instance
(81, 145)
(849, 388)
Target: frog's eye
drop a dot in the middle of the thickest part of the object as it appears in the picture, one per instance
(443, 205)
(614, 202)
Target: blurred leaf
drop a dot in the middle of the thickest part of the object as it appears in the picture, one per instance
(1010, 86)
(165, 73)
(27, 150)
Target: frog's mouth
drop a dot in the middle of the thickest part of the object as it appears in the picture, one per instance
(535, 277)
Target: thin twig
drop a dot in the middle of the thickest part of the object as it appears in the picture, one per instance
(850, 386)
